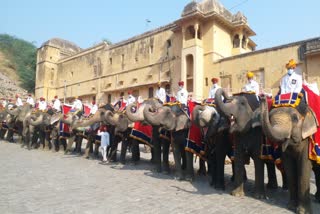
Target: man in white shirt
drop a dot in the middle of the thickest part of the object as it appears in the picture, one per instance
(214, 87)
(18, 101)
(30, 100)
(56, 104)
(94, 108)
(182, 94)
(161, 93)
(42, 104)
(105, 142)
(131, 98)
(252, 85)
(77, 104)
(291, 82)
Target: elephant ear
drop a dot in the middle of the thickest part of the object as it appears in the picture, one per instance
(256, 118)
(309, 125)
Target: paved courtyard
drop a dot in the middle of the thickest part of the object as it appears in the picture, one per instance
(39, 181)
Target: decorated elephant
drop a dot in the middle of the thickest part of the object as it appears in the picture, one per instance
(117, 125)
(159, 136)
(173, 118)
(21, 115)
(217, 140)
(43, 123)
(239, 109)
(291, 128)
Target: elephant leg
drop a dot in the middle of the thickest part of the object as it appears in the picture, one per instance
(290, 170)
(202, 167)
(212, 164)
(189, 166)
(156, 149)
(165, 156)
(62, 145)
(220, 155)
(96, 149)
(259, 177)
(177, 161)
(124, 146)
(304, 174)
(272, 177)
(316, 170)
(135, 150)
(239, 161)
(10, 136)
(87, 149)
(79, 144)
(70, 143)
(47, 145)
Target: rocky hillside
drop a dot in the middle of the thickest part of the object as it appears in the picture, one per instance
(9, 80)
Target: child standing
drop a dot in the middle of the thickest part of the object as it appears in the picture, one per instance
(105, 142)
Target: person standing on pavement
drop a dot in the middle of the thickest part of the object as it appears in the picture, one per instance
(105, 142)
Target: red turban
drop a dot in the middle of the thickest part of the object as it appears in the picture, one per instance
(181, 83)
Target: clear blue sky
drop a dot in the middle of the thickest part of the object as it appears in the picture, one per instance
(86, 22)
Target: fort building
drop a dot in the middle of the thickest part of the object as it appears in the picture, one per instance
(207, 41)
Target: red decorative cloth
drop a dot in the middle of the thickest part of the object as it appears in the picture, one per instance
(313, 101)
(194, 142)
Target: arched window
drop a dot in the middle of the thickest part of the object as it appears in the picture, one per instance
(236, 41)
(244, 45)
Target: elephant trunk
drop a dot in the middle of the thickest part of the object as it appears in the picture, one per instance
(202, 115)
(13, 112)
(220, 104)
(137, 115)
(275, 132)
(84, 123)
(154, 118)
(111, 118)
(37, 121)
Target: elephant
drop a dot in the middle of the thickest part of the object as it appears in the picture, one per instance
(43, 123)
(136, 114)
(239, 109)
(174, 119)
(21, 115)
(117, 126)
(290, 128)
(217, 139)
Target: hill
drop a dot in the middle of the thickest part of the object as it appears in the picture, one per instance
(17, 66)
(9, 79)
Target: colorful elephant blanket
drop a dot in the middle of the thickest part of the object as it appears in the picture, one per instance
(194, 142)
(64, 128)
(313, 101)
(287, 100)
(142, 133)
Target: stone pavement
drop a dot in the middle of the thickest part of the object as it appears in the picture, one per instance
(39, 181)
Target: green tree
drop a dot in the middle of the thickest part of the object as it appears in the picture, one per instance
(22, 55)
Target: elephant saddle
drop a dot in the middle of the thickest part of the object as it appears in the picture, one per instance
(287, 100)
